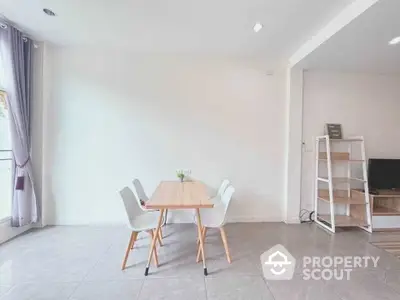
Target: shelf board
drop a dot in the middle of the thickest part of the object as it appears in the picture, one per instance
(342, 221)
(390, 194)
(342, 140)
(343, 160)
(323, 179)
(343, 200)
(334, 155)
(336, 180)
(384, 211)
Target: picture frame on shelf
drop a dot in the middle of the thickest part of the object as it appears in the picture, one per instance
(334, 131)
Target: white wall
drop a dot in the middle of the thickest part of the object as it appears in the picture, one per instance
(365, 104)
(114, 116)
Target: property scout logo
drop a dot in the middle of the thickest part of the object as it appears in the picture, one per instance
(279, 264)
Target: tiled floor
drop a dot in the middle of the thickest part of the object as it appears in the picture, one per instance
(83, 263)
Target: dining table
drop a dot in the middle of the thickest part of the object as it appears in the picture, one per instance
(191, 195)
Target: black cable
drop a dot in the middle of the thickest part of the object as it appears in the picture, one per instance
(305, 212)
(311, 216)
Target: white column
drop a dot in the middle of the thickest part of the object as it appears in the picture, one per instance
(294, 125)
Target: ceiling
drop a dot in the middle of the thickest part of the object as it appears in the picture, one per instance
(179, 26)
(362, 46)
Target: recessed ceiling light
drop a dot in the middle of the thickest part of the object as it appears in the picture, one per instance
(49, 12)
(257, 27)
(395, 41)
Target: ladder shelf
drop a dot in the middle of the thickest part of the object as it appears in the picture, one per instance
(348, 197)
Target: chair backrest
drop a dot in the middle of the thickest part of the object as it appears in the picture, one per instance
(131, 203)
(139, 190)
(225, 183)
(226, 199)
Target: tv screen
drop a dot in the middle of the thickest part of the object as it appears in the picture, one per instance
(383, 174)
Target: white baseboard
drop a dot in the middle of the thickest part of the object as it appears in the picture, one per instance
(295, 220)
(253, 219)
(180, 219)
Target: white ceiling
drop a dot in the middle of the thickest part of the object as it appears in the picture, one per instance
(189, 26)
(362, 46)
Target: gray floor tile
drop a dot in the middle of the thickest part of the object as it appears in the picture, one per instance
(173, 289)
(392, 279)
(364, 284)
(51, 263)
(40, 291)
(245, 265)
(4, 289)
(237, 288)
(109, 266)
(107, 290)
(299, 289)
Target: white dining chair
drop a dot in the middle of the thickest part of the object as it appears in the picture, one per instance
(138, 220)
(215, 218)
(143, 197)
(217, 198)
(140, 191)
(224, 184)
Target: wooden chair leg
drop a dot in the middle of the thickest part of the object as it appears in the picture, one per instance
(225, 242)
(153, 247)
(135, 240)
(204, 232)
(130, 246)
(166, 216)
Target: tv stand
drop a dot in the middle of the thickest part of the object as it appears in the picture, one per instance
(385, 209)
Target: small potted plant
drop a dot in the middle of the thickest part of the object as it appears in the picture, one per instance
(180, 174)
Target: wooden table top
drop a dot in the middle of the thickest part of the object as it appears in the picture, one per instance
(180, 195)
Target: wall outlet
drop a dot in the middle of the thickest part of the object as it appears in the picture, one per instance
(306, 148)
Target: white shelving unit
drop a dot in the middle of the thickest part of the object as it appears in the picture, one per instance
(356, 203)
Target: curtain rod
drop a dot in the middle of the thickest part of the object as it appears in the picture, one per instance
(4, 23)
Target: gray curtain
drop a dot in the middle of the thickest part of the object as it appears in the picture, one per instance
(16, 57)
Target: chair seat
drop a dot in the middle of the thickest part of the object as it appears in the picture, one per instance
(211, 217)
(215, 217)
(145, 221)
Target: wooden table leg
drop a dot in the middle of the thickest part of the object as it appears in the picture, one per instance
(160, 237)
(198, 241)
(200, 233)
(155, 249)
(154, 241)
(198, 244)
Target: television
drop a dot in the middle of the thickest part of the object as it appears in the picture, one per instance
(383, 174)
